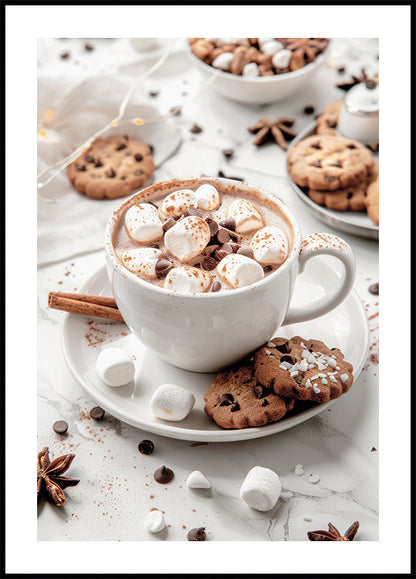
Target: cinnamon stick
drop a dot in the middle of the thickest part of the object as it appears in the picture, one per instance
(84, 304)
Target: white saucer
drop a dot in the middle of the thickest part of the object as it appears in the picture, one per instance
(355, 222)
(346, 327)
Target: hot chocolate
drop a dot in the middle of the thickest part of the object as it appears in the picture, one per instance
(199, 237)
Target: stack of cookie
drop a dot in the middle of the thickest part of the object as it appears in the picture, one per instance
(275, 380)
(337, 172)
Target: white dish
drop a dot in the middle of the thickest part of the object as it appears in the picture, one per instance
(258, 90)
(345, 327)
(355, 222)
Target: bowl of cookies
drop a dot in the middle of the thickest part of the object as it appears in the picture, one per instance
(258, 70)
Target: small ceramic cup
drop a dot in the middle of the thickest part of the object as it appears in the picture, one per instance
(359, 115)
(206, 332)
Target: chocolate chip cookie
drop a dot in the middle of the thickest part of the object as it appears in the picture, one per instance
(236, 400)
(371, 201)
(326, 123)
(304, 369)
(328, 163)
(112, 167)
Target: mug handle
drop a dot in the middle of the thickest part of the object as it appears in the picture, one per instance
(324, 244)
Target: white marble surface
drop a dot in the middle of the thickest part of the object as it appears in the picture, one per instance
(116, 488)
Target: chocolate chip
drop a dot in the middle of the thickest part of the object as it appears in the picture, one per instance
(168, 224)
(110, 174)
(298, 379)
(261, 391)
(349, 194)
(224, 176)
(65, 55)
(216, 286)
(213, 228)
(138, 172)
(121, 146)
(235, 247)
(228, 153)
(194, 212)
(223, 252)
(330, 178)
(228, 223)
(163, 475)
(331, 123)
(317, 164)
(89, 158)
(267, 268)
(146, 447)
(88, 47)
(336, 163)
(283, 348)
(196, 129)
(309, 110)
(334, 349)
(316, 145)
(138, 157)
(97, 413)
(175, 111)
(373, 289)
(197, 534)
(198, 265)
(370, 84)
(351, 146)
(153, 93)
(223, 236)
(226, 399)
(60, 427)
(341, 69)
(235, 407)
(373, 147)
(247, 251)
(264, 402)
(162, 267)
(80, 167)
(209, 263)
(151, 149)
(98, 163)
(287, 359)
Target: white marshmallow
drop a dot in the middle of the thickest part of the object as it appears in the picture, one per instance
(115, 367)
(207, 197)
(247, 218)
(171, 402)
(188, 280)
(271, 46)
(251, 69)
(197, 480)
(175, 204)
(223, 61)
(154, 522)
(261, 488)
(143, 223)
(238, 270)
(142, 261)
(270, 246)
(222, 41)
(187, 238)
(262, 41)
(282, 58)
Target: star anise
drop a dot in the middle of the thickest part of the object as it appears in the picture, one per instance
(333, 534)
(50, 481)
(370, 82)
(277, 130)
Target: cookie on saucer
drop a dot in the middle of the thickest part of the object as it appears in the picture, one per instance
(372, 200)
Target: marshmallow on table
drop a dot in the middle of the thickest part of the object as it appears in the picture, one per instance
(261, 488)
(238, 270)
(188, 280)
(270, 246)
(207, 197)
(155, 522)
(115, 367)
(282, 58)
(223, 61)
(171, 402)
(187, 238)
(197, 480)
(251, 69)
(271, 46)
(142, 261)
(143, 223)
(246, 216)
(175, 204)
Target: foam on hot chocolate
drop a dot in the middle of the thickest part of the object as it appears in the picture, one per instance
(194, 246)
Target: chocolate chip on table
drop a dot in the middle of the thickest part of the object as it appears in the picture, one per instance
(197, 534)
(97, 413)
(162, 267)
(216, 286)
(228, 153)
(228, 223)
(110, 174)
(309, 110)
(153, 93)
(196, 129)
(146, 447)
(209, 263)
(226, 399)
(88, 47)
(175, 111)
(60, 426)
(373, 289)
(138, 157)
(223, 236)
(341, 69)
(168, 224)
(65, 55)
(247, 251)
(163, 475)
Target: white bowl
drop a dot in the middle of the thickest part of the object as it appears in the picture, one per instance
(258, 90)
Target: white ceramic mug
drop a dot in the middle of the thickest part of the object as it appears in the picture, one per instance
(208, 331)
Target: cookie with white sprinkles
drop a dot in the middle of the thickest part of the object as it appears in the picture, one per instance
(303, 369)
